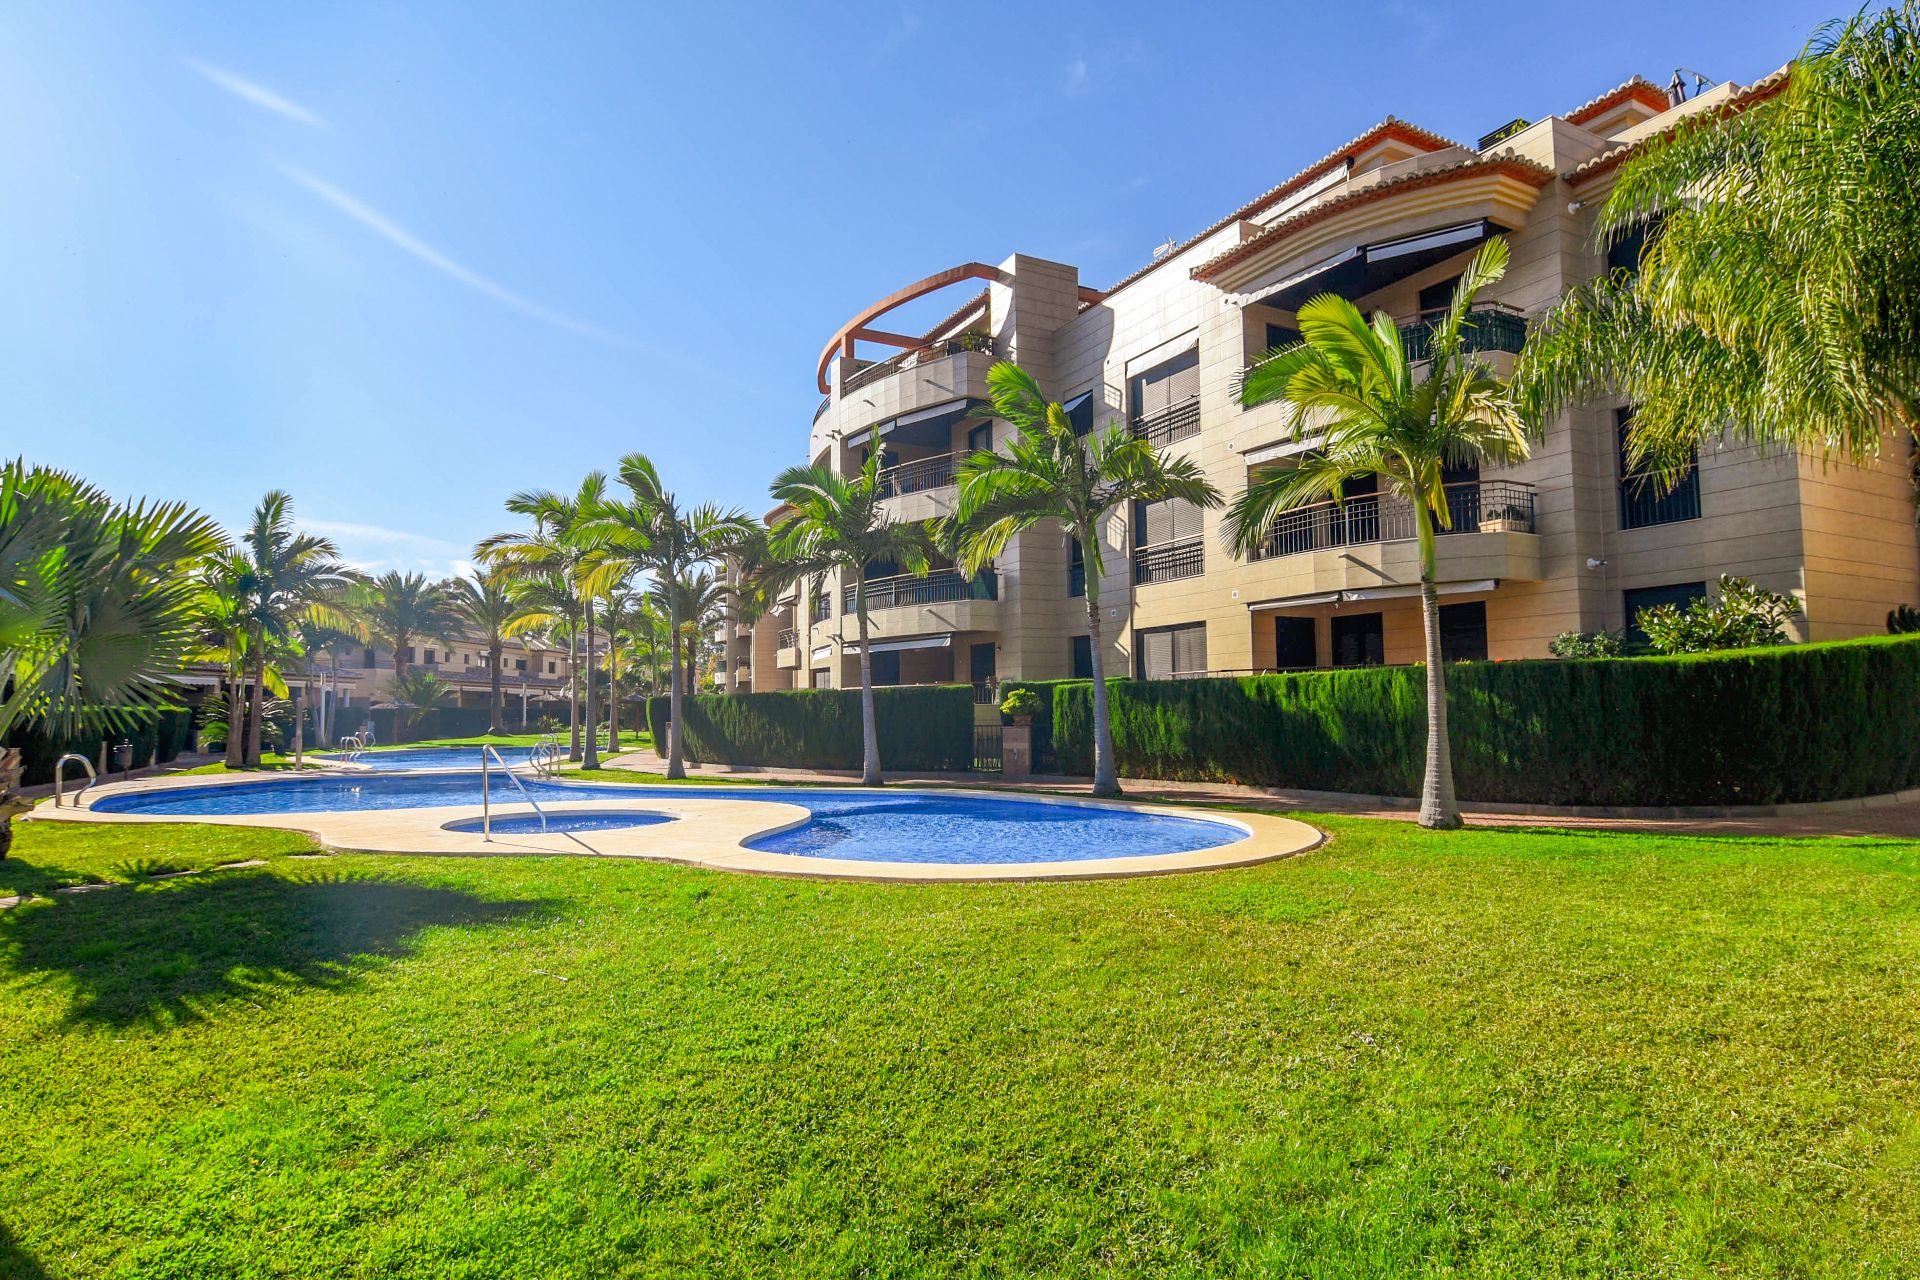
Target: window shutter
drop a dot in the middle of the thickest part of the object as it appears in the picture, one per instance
(1190, 649)
(1156, 655)
(1167, 383)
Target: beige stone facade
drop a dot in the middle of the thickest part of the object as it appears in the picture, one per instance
(1562, 542)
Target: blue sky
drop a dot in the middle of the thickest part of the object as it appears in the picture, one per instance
(403, 260)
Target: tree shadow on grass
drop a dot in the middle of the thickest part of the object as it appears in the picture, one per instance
(16, 1263)
(181, 950)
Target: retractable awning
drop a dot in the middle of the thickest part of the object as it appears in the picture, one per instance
(929, 428)
(913, 642)
(1366, 267)
(823, 652)
(1360, 595)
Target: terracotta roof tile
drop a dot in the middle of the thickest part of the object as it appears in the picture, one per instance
(1506, 162)
(1638, 87)
(1760, 90)
(1388, 128)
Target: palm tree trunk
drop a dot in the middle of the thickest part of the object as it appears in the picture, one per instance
(256, 708)
(236, 719)
(1106, 777)
(613, 692)
(573, 698)
(869, 733)
(1438, 809)
(676, 699)
(591, 758)
(496, 653)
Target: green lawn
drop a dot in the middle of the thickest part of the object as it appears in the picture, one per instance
(1480, 1054)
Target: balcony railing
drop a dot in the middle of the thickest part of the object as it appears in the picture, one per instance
(919, 475)
(1175, 422)
(867, 374)
(1476, 506)
(789, 639)
(1169, 561)
(940, 587)
(826, 403)
(1489, 326)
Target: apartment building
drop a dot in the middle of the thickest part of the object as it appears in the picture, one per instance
(1569, 540)
(535, 675)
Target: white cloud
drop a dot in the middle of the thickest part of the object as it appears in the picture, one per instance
(374, 549)
(401, 238)
(258, 94)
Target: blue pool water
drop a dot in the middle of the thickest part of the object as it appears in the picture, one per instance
(520, 824)
(429, 758)
(891, 826)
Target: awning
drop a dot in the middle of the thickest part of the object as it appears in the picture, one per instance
(823, 652)
(1364, 268)
(929, 428)
(1360, 595)
(915, 642)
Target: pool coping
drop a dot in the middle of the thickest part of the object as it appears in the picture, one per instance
(708, 831)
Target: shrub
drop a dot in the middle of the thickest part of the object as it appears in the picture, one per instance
(1020, 702)
(1586, 644)
(1741, 616)
(1766, 726)
(920, 727)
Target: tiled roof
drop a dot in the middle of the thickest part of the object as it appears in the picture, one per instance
(977, 300)
(1505, 163)
(1634, 87)
(1760, 90)
(1391, 127)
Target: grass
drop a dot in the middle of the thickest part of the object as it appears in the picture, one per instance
(1490, 1053)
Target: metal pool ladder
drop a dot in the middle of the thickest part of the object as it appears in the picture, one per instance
(351, 746)
(486, 793)
(60, 778)
(545, 755)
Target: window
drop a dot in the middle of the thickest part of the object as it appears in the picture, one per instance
(1080, 413)
(430, 661)
(1463, 632)
(980, 438)
(1624, 253)
(1679, 593)
(983, 661)
(406, 654)
(1165, 399)
(1641, 501)
(1295, 646)
(366, 659)
(1076, 569)
(1167, 652)
(552, 668)
(1083, 657)
(1171, 520)
(886, 668)
(519, 664)
(1438, 296)
(1281, 335)
(466, 660)
(1359, 640)
(823, 679)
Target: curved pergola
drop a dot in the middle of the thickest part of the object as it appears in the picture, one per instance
(858, 330)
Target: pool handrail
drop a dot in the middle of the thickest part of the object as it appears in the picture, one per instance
(486, 793)
(60, 778)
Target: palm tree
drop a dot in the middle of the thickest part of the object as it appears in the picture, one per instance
(96, 607)
(1780, 297)
(653, 534)
(549, 607)
(403, 607)
(487, 608)
(1047, 474)
(699, 601)
(221, 630)
(415, 693)
(837, 524)
(1350, 382)
(565, 546)
(289, 579)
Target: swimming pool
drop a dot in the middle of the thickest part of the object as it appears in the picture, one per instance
(427, 758)
(885, 826)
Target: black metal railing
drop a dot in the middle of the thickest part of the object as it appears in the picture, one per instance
(826, 403)
(1642, 503)
(1175, 422)
(1489, 326)
(1475, 506)
(867, 374)
(1169, 561)
(789, 639)
(986, 748)
(940, 587)
(918, 476)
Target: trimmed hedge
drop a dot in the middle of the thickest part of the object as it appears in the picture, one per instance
(1759, 726)
(169, 732)
(919, 726)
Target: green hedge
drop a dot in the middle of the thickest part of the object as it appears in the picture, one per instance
(1760, 726)
(919, 726)
(168, 731)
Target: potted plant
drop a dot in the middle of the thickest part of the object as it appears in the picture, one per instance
(1020, 706)
(1505, 520)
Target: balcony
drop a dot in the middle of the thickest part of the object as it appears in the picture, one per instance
(1490, 328)
(939, 587)
(1478, 506)
(1369, 543)
(789, 639)
(1175, 422)
(1169, 561)
(869, 373)
(920, 475)
(786, 655)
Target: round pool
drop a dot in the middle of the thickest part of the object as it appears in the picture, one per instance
(877, 826)
(522, 824)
